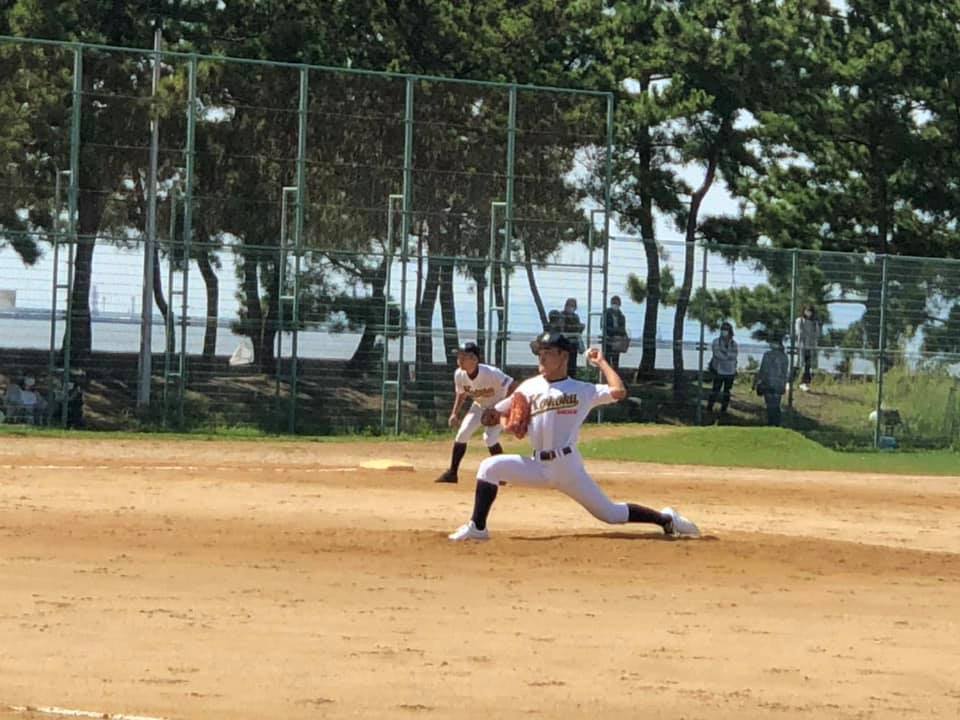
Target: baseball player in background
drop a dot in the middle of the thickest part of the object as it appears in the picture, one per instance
(485, 385)
(556, 408)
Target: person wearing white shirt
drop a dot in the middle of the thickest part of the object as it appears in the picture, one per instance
(558, 406)
(485, 385)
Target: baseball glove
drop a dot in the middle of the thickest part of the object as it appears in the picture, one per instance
(489, 417)
(518, 417)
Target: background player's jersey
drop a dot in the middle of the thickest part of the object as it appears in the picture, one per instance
(558, 409)
(487, 388)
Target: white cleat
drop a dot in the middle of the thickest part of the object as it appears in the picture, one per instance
(469, 532)
(679, 526)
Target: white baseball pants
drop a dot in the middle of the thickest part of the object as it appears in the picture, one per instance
(564, 473)
(470, 423)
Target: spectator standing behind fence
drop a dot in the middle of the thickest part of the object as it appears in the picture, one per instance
(572, 329)
(771, 382)
(723, 365)
(615, 338)
(806, 329)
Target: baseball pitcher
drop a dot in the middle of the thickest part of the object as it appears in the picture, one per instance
(550, 408)
(485, 385)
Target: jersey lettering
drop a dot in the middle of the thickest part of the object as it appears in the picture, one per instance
(563, 403)
(479, 392)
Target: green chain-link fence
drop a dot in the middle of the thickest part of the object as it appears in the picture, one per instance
(323, 239)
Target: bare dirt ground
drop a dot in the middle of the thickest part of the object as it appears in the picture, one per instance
(254, 580)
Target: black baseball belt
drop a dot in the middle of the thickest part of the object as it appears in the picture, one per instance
(552, 454)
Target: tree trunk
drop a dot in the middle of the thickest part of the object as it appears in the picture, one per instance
(448, 313)
(683, 298)
(424, 315)
(480, 283)
(81, 336)
(158, 297)
(363, 357)
(212, 284)
(252, 322)
(498, 298)
(532, 280)
(89, 212)
(648, 358)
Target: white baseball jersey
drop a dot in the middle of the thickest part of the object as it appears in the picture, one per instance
(487, 388)
(558, 409)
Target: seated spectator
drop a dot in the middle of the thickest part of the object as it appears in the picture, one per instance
(32, 401)
(73, 398)
(11, 402)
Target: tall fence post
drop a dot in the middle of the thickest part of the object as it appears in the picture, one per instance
(608, 174)
(701, 346)
(504, 332)
(145, 376)
(187, 230)
(881, 355)
(794, 267)
(298, 240)
(406, 222)
(73, 205)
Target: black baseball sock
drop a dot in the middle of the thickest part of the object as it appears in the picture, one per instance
(459, 449)
(641, 514)
(495, 449)
(482, 502)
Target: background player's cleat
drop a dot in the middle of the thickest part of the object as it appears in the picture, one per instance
(448, 477)
(679, 526)
(469, 532)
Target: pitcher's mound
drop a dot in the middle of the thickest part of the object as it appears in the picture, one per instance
(386, 464)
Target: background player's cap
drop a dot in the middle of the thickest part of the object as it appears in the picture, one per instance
(468, 347)
(551, 339)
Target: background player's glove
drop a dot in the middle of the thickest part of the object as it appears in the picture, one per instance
(489, 417)
(518, 417)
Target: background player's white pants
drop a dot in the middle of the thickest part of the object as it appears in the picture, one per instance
(471, 421)
(565, 473)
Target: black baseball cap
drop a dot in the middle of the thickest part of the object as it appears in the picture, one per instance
(553, 339)
(468, 347)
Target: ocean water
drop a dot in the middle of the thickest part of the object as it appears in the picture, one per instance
(122, 335)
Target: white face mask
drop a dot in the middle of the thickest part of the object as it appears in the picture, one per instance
(28, 383)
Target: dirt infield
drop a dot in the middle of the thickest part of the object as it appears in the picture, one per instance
(250, 580)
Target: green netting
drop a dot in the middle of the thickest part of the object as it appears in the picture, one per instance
(326, 237)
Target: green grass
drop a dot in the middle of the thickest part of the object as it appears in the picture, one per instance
(772, 448)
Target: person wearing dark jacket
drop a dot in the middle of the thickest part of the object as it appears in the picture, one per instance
(615, 338)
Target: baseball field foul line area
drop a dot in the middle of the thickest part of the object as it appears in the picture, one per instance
(68, 713)
(148, 579)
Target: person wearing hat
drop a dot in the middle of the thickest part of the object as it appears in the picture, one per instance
(559, 405)
(485, 385)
